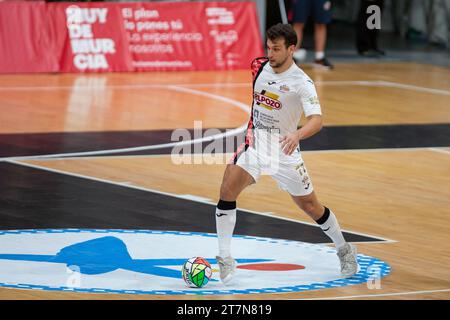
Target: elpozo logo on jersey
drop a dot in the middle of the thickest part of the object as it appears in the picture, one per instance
(149, 262)
(267, 100)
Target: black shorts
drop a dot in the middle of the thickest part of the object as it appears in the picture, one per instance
(320, 10)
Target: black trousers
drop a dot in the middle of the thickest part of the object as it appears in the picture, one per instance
(366, 39)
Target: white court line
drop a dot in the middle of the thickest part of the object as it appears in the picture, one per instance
(389, 84)
(414, 88)
(372, 150)
(126, 86)
(89, 157)
(161, 155)
(377, 83)
(64, 157)
(440, 150)
(210, 95)
(378, 295)
(385, 240)
(228, 133)
(233, 102)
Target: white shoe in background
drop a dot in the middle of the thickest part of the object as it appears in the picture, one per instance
(300, 54)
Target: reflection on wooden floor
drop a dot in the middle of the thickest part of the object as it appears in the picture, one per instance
(353, 94)
(403, 195)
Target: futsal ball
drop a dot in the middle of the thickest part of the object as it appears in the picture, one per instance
(196, 272)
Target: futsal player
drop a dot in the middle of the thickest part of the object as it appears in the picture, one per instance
(281, 93)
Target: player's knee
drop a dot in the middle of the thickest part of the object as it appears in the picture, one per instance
(227, 193)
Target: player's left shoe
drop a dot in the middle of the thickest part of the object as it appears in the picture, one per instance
(227, 267)
(347, 258)
(323, 63)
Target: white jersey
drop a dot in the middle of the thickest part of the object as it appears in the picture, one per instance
(280, 99)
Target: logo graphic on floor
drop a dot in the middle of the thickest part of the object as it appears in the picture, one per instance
(149, 262)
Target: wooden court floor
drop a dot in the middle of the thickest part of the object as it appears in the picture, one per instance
(400, 194)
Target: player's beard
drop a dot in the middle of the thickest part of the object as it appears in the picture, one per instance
(280, 64)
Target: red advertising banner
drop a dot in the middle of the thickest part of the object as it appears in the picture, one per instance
(192, 35)
(103, 37)
(91, 35)
(24, 42)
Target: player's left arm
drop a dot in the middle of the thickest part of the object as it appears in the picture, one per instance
(308, 98)
(290, 141)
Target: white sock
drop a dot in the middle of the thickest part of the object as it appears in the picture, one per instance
(320, 55)
(225, 222)
(331, 228)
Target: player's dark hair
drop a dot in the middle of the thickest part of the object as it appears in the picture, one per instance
(284, 31)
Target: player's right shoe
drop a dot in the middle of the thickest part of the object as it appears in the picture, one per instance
(227, 267)
(347, 258)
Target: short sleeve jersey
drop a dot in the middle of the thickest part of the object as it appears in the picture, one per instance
(280, 99)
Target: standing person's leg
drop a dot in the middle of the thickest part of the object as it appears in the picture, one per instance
(438, 24)
(298, 27)
(320, 39)
(367, 39)
(322, 16)
(301, 12)
(362, 44)
(418, 24)
(375, 32)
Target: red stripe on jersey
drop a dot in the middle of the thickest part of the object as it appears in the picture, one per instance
(238, 152)
(256, 66)
(249, 139)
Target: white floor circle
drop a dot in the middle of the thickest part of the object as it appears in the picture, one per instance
(149, 262)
